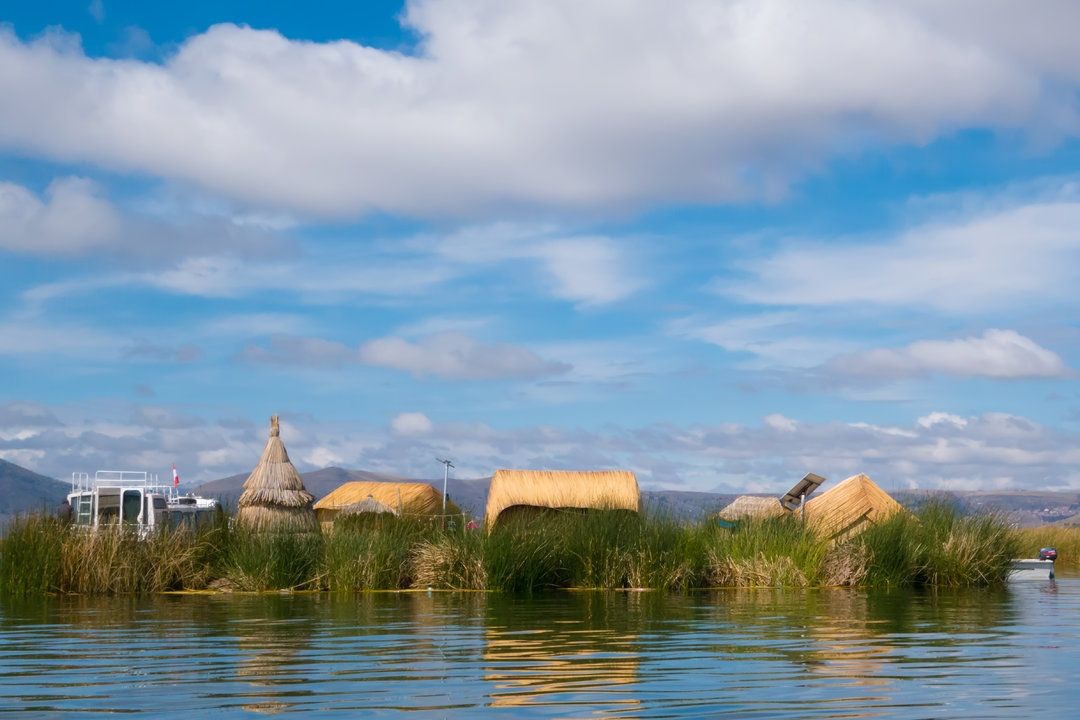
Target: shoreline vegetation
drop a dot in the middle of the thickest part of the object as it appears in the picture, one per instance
(606, 549)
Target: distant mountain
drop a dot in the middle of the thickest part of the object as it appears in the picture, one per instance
(23, 490)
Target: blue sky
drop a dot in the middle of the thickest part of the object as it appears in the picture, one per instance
(720, 244)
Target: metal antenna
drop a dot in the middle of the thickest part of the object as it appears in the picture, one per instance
(447, 464)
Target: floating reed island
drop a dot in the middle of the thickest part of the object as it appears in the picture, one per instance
(543, 530)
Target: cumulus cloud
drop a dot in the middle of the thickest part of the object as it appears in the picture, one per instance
(992, 450)
(938, 418)
(998, 354)
(776, 421)
(26, 415)
(411, 423)
(454, 355)
(503, 104)
(992, 259)
(71, 218)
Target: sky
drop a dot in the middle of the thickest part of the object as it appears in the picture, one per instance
(720, 244)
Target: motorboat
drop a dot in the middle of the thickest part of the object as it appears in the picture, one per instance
(134, 499)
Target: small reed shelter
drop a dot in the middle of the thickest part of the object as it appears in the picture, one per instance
(397, 498)
(850, 507)
(274, 497)
(516, 490)
(747, 507)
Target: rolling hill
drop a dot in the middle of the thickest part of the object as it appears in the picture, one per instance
(23, 490)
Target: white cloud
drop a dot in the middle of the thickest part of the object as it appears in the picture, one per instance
(779, 338)
(776, 421)
(454, 355)
(993, 259)
(585, 269)
(986, 451)
(411, 423)
(504, 105)
(72, 218)
(999, 354)
(451, 355)
(939, 418)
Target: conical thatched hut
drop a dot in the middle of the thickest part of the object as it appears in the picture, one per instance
(401, 498)
(751, 506)
(561, 489)
(274, 496)
(850, 507)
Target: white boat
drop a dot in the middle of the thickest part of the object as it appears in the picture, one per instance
(135, 499)
(1032, 569)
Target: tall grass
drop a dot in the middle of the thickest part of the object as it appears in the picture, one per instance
(1063, 537)
(526, 554)
(939, 547)
(44, 555)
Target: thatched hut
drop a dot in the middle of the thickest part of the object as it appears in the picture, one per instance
(274, 496)
(850, 507)
(751, 506)
(561, 489)
(400, 498)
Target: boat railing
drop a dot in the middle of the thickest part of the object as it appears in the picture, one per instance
(82, 482)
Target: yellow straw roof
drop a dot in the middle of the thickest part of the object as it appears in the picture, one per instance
(274, 496)
(591, 489)
(407, 498)
(752, 506)
(850, 507)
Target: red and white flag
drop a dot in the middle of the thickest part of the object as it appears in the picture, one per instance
(175, 476)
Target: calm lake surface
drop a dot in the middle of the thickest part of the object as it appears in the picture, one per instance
(763, 654)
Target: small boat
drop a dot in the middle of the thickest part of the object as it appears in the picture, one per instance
(1040, 567)
(134, 499)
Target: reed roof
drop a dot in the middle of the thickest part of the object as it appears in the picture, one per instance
(751, 506)
(407, 498)
(274, 495)
(585, 489)
(368, 505)
(850, 507)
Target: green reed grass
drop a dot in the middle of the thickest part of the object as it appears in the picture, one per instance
(1063, 537)
(526, 554)
(939, 547)
(44, 555)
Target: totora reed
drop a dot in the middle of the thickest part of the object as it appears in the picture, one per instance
(605, 549)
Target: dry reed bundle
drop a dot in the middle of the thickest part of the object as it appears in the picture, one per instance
(850, 507)
(400, 498)
(274, 496)
(557, 489)
(752, 506)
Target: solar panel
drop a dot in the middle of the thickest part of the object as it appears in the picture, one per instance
(794, 497)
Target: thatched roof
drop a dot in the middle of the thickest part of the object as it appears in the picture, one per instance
(274, 496)
(751, 506)
(368, 505)
(405, 498)
(850, 507)
(595, 489)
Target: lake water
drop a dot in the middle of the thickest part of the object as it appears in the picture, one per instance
(759, 654)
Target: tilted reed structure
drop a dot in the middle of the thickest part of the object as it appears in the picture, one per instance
(850, 507)
(561, 490)
(751, 506)
(400, 498)
(274, 497)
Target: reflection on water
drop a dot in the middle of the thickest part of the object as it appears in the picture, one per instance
(820, 654)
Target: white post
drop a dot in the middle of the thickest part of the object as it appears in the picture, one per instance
(445, 475)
